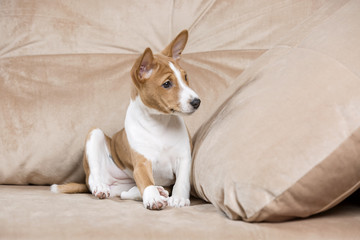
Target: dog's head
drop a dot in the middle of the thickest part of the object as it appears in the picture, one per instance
(161, 83)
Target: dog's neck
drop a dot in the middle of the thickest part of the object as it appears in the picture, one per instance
(148, 118)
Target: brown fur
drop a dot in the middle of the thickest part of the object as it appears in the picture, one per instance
(73, 188)
(121, 151)
(143, 174)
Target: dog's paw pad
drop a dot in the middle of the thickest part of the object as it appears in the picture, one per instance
(163, 192)
(154, 198)
(178, 202)
(101, 191)
(156, 204)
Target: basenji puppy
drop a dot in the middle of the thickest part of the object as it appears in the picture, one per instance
(153, 150)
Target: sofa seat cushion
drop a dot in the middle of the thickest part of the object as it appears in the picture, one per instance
(33, 212)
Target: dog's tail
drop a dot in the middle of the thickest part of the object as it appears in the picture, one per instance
(70, 188)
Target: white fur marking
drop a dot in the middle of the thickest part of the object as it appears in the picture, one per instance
(54, 188)
(131, 194)
(178, 202)
(186, 93)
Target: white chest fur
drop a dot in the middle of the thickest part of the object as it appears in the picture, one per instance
(162, 139)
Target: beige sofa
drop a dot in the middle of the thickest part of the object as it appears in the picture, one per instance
(276, 139)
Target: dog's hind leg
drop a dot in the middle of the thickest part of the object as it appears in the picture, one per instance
(97, 157)
(104, 178)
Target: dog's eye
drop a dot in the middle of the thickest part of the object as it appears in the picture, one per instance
(167, 84)
(186, 79)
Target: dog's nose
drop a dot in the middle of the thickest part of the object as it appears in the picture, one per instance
(195, 103)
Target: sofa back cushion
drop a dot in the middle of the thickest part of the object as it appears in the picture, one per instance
(64, 68)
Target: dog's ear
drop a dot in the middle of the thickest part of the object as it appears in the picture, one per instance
(146, 65)
(175, 48)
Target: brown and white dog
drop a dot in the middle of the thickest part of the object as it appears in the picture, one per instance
(154, 148)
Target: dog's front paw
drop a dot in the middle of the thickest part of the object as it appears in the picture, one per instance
(178, 202)
(155, 198)
(163, 192)
(101, 191)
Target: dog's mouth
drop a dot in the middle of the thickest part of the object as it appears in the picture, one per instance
(181, 113)
(189, 109)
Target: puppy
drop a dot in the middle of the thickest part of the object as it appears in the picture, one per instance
(153, 150)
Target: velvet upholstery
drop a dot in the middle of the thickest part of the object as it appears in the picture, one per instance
(276, 136)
